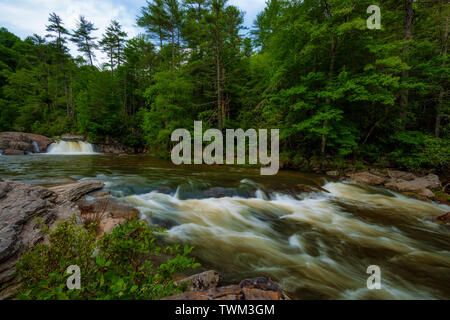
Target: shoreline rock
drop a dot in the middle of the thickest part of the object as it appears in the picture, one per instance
(20, 204)
(260, 288)
(420, 187)
(19, 143)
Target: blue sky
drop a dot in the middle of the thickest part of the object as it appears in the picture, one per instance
(25, 17)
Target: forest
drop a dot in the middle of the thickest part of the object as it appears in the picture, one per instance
(311, 68)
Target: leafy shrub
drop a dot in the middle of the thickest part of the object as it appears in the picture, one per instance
(416, 150)
(120, 265)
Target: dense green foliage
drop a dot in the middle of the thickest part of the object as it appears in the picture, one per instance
(311, 68)
(120, 265)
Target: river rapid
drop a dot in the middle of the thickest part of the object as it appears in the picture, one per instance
(317, 244)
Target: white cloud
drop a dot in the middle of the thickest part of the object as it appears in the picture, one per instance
(251, 8)
(26, 17)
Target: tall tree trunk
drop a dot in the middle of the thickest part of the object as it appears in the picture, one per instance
(437, 130)
(409, 16)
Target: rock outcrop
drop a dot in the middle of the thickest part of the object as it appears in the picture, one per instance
(261, 288)
(74, 191)
(19, 143)
(20, 204)
(412, 185)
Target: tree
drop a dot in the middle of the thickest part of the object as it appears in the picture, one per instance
(83, 38)
(113, 43)
(58, 32)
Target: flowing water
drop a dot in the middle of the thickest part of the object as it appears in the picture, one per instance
(62, 147)
(317, 245)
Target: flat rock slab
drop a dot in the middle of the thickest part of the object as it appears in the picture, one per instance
(74, 191)
(261, 288)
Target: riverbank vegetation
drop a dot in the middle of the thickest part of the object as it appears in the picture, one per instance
(120, 265)
(311, 68)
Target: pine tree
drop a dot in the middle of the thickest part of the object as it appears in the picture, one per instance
(83, 38)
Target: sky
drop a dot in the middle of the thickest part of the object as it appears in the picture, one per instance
(26, 17)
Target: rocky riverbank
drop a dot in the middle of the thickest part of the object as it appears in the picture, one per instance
(20, 143)
(21, 204)
(425, 187)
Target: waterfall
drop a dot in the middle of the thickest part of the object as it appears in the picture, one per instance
(36, 147)
(71, 147)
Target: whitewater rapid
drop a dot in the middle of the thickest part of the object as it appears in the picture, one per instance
(315, 244)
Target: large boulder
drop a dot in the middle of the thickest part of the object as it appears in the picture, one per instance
(367, 178)
(430, 181)
(25, 142)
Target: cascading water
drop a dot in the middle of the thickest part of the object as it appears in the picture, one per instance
(317, 243)
(71, 148)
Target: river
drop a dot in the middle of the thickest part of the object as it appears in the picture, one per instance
(317, 245)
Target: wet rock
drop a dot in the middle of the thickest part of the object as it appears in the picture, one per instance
(367, 178)
(100, 194)
(430, 181)
(218, 192)
(443, 219)
(201, 281)
(251, 289)
(107, 212)
(26, 142)
(333, 173)
(12, 152)
(164, 190)
(74, 191)
(395, 174)
(427, 193)
(308, 188)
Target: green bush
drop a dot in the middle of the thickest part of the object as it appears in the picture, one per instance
(120, 265)
(420, 151)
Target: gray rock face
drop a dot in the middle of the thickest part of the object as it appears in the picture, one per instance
(19, 205)
(74, 191)
(20, 142)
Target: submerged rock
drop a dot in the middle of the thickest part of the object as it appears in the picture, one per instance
(442, 219)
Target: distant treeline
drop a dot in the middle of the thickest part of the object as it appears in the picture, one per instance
(311, 68)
